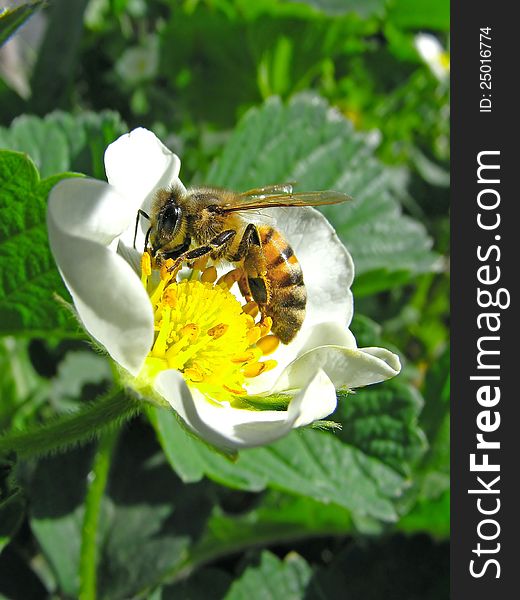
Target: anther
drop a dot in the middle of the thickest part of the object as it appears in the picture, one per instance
(168, 268)
(268, 344)
(265, 325)
(255, 369)
(251, 308)
(253, 335)
(218, 331)
(146, 267)
(209, 275)
(230, 278)
(247, 356)
(200, 263)
(195, 374)
(170, 297)
(191, 331)
(236, 391)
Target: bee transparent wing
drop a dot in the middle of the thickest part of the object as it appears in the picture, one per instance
(269, 190)
(282, 195)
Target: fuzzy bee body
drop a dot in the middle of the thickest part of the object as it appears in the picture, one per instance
(288, 296)
(187, 225)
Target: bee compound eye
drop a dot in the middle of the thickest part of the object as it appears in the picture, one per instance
(169, 218)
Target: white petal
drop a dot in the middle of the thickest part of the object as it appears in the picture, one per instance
(345, 367)
(428, 46)
(321, 334)
(109, 297)
(89, 209)
(231, 428)
(325, 334)
(316, 401)
(137, 164)
(327, 266)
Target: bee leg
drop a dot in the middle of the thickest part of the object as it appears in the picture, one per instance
(243, 286)
(249, 238)
(140, 213)
(214, 244)
(254, 284)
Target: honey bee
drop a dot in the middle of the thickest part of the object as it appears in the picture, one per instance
(205, 221)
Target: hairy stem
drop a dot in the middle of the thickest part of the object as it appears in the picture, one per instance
(73, 428)
(89, 535)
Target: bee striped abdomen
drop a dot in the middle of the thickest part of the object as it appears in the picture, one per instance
(288, 297)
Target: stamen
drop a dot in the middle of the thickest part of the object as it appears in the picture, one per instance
(246, 357)
(251, 308)
(195, 374)
(265, 325)
(202, 330)
(209, 275)
(200, 263)
(146, 267)
(218, 331)
(191, 331)
(161, 343)
(170, 297)
(255, 369)
(268, 344)
(254, 334)
(230, 278)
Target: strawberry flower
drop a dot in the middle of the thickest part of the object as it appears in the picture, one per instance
(192, 342)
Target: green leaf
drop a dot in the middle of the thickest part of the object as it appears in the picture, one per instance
(57, 490)
(62, 142)
(307, 463)
(426, 506)
(147, 518)
(274, 577)
(278, 519)
(308, 142)
(208, 584)
(28, 276)
(13, 18)
(54, 69)
(427, 14)
(365, 8)
(381, 420)
(429, 515)
(12, 503)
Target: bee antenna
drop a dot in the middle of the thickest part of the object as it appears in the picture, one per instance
(140, 213)
(146, 239)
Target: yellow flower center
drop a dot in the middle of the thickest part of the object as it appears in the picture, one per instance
(203, 331)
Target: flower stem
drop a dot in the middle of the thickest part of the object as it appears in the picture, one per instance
(73, 428)
(89, 535)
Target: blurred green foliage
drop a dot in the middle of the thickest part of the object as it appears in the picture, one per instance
(332, 94)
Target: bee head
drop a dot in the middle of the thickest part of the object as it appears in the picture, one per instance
(166, 234)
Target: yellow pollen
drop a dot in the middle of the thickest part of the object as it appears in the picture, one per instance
(268, 344)
(251, 308)
(265, 325)
(146, 267)
(254, 334)
(256, 369)
(230, 278)
(209, 275)
(202, 330)
(246, 357)
(218, 331)
(200, 263)
(170, 297)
